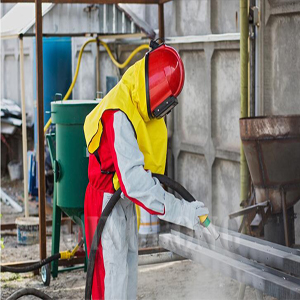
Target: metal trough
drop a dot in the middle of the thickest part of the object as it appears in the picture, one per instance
(272, 149)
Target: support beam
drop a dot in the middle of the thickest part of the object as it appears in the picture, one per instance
(266, 282)
(24, 128)
(268, 254)
(40, 125)
(92, 1)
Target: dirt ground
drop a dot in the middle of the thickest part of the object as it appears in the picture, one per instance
(175, 280)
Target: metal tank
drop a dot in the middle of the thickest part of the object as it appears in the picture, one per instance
(272, 149)
(71, 164)
(69, 157)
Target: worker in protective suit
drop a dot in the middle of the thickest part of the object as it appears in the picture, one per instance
(126, 137)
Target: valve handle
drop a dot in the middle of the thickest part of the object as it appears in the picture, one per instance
(204, 220)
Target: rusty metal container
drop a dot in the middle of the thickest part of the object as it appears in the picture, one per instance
(272, 149)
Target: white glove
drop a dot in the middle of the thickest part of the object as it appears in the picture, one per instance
(182, 212)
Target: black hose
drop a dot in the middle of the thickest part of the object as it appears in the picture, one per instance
(96, 238)
(106, 212)
(29, 291)
(175, 186)
(30, 268)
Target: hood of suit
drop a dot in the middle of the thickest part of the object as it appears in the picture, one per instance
(129, 96)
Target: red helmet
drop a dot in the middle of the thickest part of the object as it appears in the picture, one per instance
(164, 79)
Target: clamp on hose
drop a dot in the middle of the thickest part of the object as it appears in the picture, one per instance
(69, 254)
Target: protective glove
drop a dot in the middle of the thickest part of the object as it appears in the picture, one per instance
(182, 212)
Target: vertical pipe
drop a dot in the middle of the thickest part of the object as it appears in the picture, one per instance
(259, 105)
(98, 66)
(252, 50)
(40, 125)
(244, 173)
(24, 128)
(161, 21)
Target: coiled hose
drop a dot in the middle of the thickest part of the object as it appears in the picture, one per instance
(170, 183)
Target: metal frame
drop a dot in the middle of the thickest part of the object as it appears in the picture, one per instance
(159, 2)
(267, 280)
(266, 253)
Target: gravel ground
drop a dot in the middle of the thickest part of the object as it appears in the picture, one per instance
(175, 280)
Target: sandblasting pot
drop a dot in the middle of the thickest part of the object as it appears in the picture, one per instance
(71, 165)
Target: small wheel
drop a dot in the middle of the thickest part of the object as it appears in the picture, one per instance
(46, 274)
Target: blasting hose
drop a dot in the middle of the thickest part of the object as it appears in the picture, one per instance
(30, 268)
(106, 212)
(38, 265)
(29, 291)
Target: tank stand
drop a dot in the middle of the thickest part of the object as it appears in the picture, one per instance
(285, 218)
(56, 224)
(81, 221)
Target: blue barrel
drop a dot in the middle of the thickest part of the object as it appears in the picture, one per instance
(57, 70)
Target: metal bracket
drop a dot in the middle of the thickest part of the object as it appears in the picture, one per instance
(254, 16)
(56, 170)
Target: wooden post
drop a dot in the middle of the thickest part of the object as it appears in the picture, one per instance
(40, 125)
(24, 128)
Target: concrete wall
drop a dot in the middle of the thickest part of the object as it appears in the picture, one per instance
(204, 146)
(205, 139)
(279, 72)
(205, 142)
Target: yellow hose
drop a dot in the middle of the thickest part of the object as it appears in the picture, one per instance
(116, 63)
(133, 53)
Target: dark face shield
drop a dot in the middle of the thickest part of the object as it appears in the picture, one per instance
(165, 107)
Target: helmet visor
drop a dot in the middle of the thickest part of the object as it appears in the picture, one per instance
(165, 107)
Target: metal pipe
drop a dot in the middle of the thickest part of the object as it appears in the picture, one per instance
(98, 66)
(24, 127)
(259, 105)
(252, 51)
(40, 125)
(161, 21)
(244, 173)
